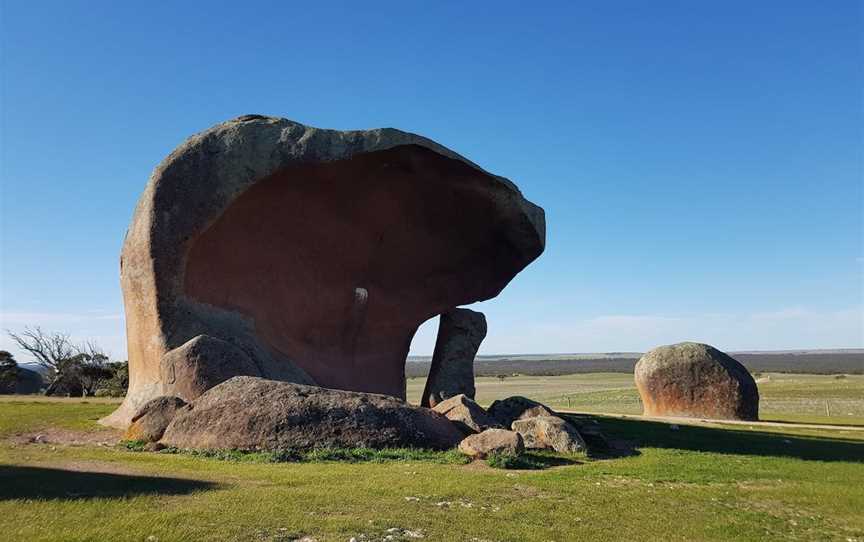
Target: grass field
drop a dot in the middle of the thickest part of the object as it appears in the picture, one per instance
(783, 397)
(676, 483)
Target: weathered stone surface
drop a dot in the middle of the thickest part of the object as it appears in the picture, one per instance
(549, 433)
(467, 415)
(460, 332)
(202, 362)
(316, 252)
(152, 419)
(248, 413)
(506, 411)
(695, 380)
(492, 441)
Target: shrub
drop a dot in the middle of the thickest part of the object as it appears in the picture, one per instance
(8, 372)
(503, 461)
(530, 461)
(349, 455)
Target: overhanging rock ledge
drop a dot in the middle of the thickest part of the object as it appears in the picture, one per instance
(263, 247)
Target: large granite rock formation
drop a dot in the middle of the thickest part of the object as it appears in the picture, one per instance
(695, 380)
(264, 247)
(248, 413)
(460, 332)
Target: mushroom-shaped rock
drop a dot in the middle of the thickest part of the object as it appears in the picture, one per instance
(149, 424)
(316, 253)
(465, 414)
(460, 333)
(249, 413)
(492, 441)
(695, 380)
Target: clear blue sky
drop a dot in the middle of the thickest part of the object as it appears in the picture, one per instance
(700, 163)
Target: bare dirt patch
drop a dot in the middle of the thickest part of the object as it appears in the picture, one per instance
(67, 437)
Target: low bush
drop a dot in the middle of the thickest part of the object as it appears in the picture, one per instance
(315, 455)
(532, 460)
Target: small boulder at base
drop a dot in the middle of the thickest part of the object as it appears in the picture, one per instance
(467, 415)
(149, 424)
(492, 441)
(550, 433)
(695, 380)
(250, 413)
(200, 363)
(506, 411)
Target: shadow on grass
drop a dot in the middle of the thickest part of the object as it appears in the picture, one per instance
(18, 482)
(791, 424)
(652, 434)
(543, 461)
(530, 461)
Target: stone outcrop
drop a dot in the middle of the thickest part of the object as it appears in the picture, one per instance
(467, 415)
(200, 363)
(265, 247)
(492, 441)
(153, 418)
(248, 413)
(695, 380)
(460, 332)
(550, 433)
(506, 411)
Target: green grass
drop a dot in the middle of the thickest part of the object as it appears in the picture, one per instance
(783, 397)
(345, 455)
(693, 483)
(31, 415)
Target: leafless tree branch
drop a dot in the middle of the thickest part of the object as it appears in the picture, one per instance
(82, 366)
(49, 349)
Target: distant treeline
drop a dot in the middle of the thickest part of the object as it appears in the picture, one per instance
(835, 363)
(831, 363)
